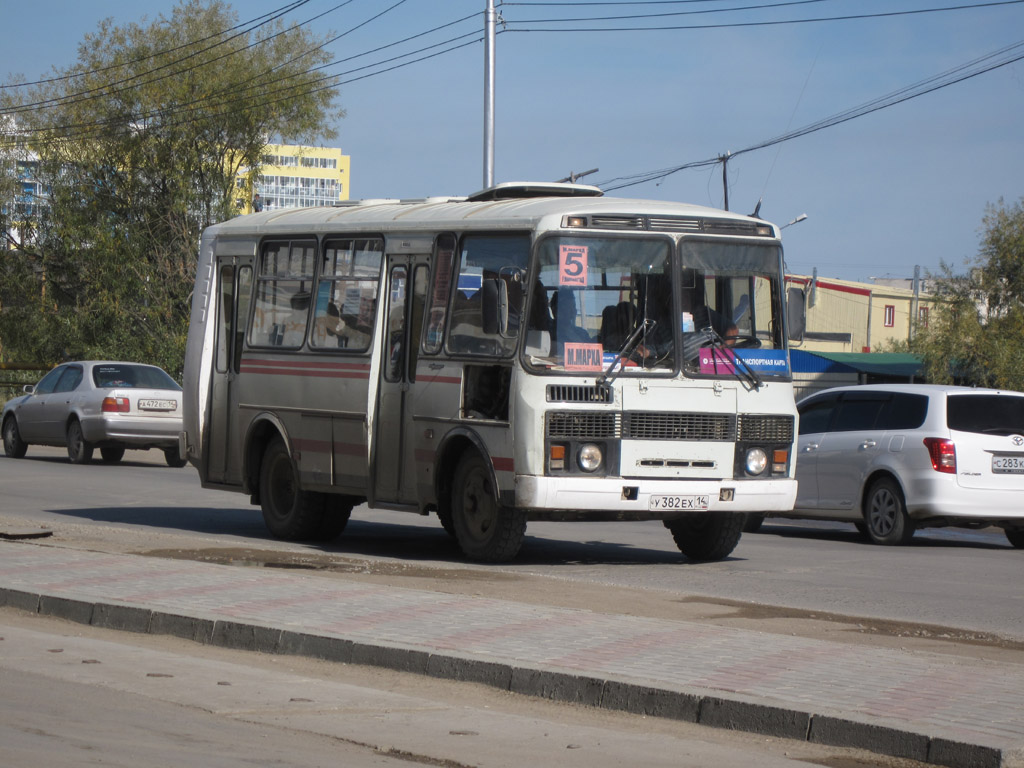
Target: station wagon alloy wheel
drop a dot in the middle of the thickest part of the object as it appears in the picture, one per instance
(886, 514)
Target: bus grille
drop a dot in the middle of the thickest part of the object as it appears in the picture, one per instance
(643, 425)
(583, 425)
(578, 393)
(765, 429)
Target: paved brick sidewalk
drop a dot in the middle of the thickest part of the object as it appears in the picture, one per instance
(929, 707)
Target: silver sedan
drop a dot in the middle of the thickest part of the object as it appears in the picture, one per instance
(108, 405)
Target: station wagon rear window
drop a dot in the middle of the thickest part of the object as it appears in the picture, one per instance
(988, 414)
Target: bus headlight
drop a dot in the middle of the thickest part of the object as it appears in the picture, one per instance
(757, 460)
(589, 457)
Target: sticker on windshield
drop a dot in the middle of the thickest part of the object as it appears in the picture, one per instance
(572, 265)
(716, 360)
(583, 357)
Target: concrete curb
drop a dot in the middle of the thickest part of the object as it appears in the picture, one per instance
(735, 712)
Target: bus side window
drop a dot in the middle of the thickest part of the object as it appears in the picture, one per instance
(347, 294)
(484, 257)
(283, 294)
(444, 252)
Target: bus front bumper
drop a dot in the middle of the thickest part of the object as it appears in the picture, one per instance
(635, 499)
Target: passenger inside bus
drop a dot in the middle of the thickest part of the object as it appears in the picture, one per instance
(565, 316)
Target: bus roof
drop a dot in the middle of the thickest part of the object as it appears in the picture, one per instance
(517, 205)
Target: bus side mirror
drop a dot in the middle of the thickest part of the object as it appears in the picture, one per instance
(494, 306)
(797, 312)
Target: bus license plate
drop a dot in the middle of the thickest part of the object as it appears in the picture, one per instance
(1008, 465)
(668, 503)
(157, 405)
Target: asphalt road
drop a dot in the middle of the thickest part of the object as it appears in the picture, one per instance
(967, 581)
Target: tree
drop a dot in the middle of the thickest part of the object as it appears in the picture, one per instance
(140, 145)
(976, 331)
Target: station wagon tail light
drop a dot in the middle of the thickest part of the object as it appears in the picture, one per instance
(942, 453)
(116, 405)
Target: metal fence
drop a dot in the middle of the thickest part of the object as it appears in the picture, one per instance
(14, 376)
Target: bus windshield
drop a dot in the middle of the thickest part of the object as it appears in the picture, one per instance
(599, 302)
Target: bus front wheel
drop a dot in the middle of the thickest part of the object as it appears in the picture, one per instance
(707, 536)
(485, 530)
(289, 512)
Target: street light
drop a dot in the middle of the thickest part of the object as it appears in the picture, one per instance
(797, 220)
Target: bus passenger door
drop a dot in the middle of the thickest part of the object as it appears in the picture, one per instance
(223, 449)
(394, 468)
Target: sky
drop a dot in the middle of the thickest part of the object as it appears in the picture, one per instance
(901, 187)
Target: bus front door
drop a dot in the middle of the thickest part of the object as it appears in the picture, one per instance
(394, 461)
(223, 450)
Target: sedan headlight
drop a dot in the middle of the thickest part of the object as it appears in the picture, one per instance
(589, 457)
(757, 460)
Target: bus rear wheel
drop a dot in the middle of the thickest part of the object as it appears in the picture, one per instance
(485, 530)
(707, 536)
(289, 512)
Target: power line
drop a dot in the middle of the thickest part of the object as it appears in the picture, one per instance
(738, 24)
(971, 69)
(283, 9)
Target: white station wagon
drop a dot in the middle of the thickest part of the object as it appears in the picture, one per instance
(107, 405)
(891, 458)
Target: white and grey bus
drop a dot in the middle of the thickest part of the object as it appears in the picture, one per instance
(530, 352)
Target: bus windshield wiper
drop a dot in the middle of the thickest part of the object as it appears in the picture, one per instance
(740, 366)
(627, 349)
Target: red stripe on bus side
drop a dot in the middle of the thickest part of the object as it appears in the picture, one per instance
(308, 374)
(307, 364)
(349, 449)
(314, 446)
(503, 464)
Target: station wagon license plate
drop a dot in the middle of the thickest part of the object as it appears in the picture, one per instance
(1008, 465)
(670, 503)
(157, 405)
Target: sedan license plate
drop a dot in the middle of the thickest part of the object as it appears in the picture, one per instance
(1008, 465)
(670, 503)
(157, 405)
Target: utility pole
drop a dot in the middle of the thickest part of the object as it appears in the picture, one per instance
(490, 21)
(914, 302)
(725, 179)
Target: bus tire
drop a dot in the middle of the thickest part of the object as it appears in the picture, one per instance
(485, 530)
(444, 515)
(289, 512)
(337, 511)
(707, 536)
(753, 522)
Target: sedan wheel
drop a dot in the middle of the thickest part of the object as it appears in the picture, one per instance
(885, 514)
(173, 458)
(79, 450)
(111, 455)
(14, 446)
